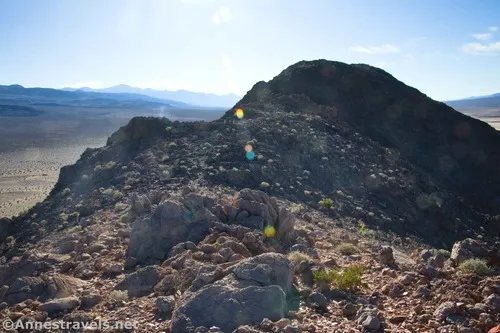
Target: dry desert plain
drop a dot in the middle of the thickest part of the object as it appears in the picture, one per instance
(33, 149)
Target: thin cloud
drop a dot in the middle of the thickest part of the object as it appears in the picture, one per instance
(481, 49)
(221, 15)
(484, 46)
(485, 36)
(381, 49)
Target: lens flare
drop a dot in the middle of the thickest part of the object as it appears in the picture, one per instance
(250, 155)
(269, 231)
(239, 113)
(248, 148)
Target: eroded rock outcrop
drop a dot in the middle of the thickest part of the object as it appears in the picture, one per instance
(255, 289)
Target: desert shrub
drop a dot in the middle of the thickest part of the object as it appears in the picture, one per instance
(63, 217)
(296, 208)
(119, 206)
(66, 192)
(474, 266)
(98, 167)
(75, 229)
(347, 249)
(445, 253)
(349, 279)
(119, 295)
(110, 165)
(108, 191)
(10, 240)
(131, 180)
(124, 218)
(362, 229)
(296, 257)
(117, 195)
(327, 203)
(127, 187)
(73, 216)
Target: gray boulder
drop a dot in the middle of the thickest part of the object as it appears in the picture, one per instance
(140, 204)
(257, 210)
(140, 283)
(368, 317)
(59, 305)
(172, 223)
(42, 288)
(252, 290)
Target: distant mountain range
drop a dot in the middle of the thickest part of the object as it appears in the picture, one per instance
(488, 101)
(184, 96)
(16, 94)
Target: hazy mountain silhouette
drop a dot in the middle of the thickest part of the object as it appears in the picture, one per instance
(488, 101)
(189, 97)
(15, 94)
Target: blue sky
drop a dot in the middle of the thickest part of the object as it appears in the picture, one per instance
(447, 48)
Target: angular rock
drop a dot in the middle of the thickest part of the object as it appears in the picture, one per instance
(254, 289)
(59, 305)
(367, 316)
(386, 255)
(152, 238)
(140, 283)
(164, 306)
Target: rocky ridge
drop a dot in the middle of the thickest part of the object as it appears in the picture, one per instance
(172, 226)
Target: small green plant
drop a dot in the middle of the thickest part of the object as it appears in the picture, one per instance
(445, 253)
(131, 180)
(296, 257)
(75, 229)
(66, 192)
(73, 216)
(474, 266)
(347, 249)
(108, 191)
(119, 206)
(110, 165)
(362, 227)
(119, 296)
(327, 203)
(124, 218)
(63, 217)
(10, 240)
(322, 275)
(117, 195)
(349, 279)
(296, 208)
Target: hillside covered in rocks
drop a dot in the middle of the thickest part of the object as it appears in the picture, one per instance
(333, 198)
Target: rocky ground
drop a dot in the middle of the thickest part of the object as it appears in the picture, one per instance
(287, 218)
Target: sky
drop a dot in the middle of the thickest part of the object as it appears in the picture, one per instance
(448, 49)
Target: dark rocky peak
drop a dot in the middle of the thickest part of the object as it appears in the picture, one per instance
(462, 152)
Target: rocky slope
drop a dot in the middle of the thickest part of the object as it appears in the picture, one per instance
(184, 226)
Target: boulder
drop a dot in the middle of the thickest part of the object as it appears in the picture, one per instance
(164, 306)
(256, 210)
(140, 283)
(59, 305)
(254, 289)
(386, 255)
(471, 248)
(172, 223)
(42, 288)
